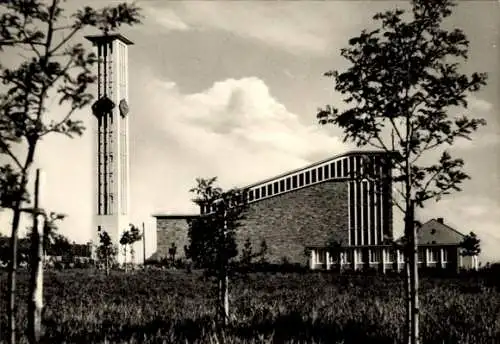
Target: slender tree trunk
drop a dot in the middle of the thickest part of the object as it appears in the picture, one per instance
(106, 263)
(132, 256)
(35, 302)
(125, 257)
(408, 298)
(143, 246)
(415, 312)
(12, 275)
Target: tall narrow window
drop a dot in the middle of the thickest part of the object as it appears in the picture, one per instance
(269, 189)
(313, 176)
(325, 168)
(332, 169)
(339, 169)
(320, 174)
(257, 194)
(352, 170)
(276, 187)
(263, 191)
(346, 167)
(301, 179)
(250, 195)
(294, 182)
(288, 183)
(282, 185)
(308, 180)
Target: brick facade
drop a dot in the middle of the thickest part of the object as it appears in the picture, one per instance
(171, 229)
(291, 221)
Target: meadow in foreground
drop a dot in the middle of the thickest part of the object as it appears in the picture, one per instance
(84, 306)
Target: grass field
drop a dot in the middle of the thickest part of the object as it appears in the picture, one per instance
(177, 307)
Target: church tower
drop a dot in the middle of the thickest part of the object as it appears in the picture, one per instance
(111, 148)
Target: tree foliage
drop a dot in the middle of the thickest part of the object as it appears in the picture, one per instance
(212, 236)
(106, 250)
(471, 245)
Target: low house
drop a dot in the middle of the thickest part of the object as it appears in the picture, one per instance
(439, 246)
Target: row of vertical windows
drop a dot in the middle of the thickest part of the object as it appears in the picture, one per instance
(367, 209)
(335, 169)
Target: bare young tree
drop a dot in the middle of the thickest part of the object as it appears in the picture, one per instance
(403, 80)
(50, 65)
(212, 244)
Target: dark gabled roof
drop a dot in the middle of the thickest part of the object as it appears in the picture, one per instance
(436, 232)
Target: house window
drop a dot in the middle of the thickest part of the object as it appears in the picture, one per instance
(257, 193)
(288, 183)
(445, 255)
(348, 256)
(320, 174)
(313, 176)
(332, 169)
(294, 182)
(282, 185)
(421, 255)
(269, 189)
(276, 189)
(325, 168)
(301, 179)
(308, 180)
(263, 191)
(388, 256)
(250, 195)
(433, 255)
(320, 257)
(374, 255)
(401, 257)
(339, 168)
(346, 167)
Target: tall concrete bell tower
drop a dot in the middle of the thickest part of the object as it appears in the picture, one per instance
(111, 148)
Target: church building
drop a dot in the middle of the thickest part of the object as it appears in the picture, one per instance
(344, 199)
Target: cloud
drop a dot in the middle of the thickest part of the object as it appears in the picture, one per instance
(479, 104)
(166, 18)
(295, 26)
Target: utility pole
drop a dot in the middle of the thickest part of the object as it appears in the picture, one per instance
(35, 303)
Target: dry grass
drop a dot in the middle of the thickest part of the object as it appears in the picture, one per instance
(176, 307)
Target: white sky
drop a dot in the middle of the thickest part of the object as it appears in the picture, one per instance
(230, 89)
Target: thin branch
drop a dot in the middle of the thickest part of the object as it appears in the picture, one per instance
(7, 150)
(65, 39)
(55, 127)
